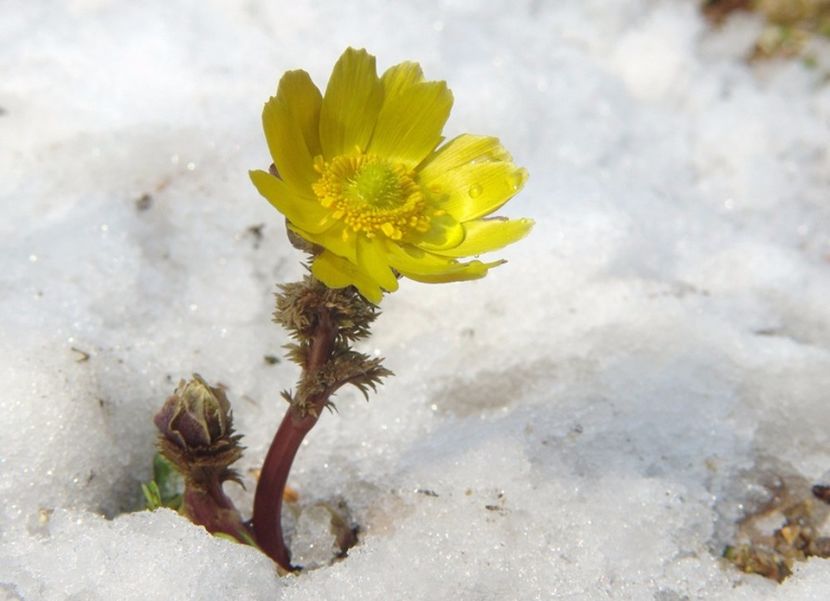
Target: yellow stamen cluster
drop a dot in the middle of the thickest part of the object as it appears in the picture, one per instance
(370, 195)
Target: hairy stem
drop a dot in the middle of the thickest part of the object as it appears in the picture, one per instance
(208, 505)
(267, 522)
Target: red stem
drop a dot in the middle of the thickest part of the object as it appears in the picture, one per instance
(207, 504)
(267, 523)
(271, 485)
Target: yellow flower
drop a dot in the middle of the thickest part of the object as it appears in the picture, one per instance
(361, 175)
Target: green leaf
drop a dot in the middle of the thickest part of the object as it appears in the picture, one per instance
(168, 480)
(152, 498)
(165, 489)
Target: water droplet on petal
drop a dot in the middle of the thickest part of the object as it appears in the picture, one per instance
(517, 179)
(474, 191)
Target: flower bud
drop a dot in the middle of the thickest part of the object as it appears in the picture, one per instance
(196, 417)
(197, 436)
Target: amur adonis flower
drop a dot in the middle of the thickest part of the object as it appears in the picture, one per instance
(360, 174)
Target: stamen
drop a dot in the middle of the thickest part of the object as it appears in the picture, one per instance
(371, 195)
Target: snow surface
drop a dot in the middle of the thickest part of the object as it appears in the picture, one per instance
(587, 422)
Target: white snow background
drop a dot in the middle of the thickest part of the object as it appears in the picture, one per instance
(587, 422)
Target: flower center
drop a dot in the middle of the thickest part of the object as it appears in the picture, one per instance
(370, 195)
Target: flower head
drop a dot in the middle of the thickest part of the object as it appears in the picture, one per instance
(360, 175)
(196, 428)
(196, 416)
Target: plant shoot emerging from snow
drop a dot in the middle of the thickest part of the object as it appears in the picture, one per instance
(371, 197)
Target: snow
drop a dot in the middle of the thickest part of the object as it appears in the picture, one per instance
(588, 422)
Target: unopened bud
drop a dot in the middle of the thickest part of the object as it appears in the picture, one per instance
(196, 417)
(197, 436)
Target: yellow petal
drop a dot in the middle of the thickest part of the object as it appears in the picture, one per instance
(303, 100)
(398, 78)
(332, 240)
(423, 266)
(444, 232)
(304, 212)
(459, 151)
(473, 270)
(485, 235)
(351, 104)
(372, 260)
(411, 119)
(337, 272)
(476, 189)
(290, 123)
